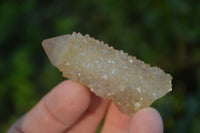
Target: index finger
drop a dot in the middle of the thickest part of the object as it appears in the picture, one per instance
(57, 111)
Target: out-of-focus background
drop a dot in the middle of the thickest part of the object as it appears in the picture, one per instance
(163, 33)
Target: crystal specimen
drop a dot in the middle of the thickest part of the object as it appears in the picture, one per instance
(109, 73)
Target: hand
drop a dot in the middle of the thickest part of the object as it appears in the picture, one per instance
(70, 107)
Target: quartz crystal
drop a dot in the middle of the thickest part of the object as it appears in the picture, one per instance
(109, 73)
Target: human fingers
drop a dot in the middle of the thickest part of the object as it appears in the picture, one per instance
(57, 111)
(91, 119)
(116, 122)
(147, 120)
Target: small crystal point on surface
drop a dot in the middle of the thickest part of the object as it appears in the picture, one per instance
(109, 73)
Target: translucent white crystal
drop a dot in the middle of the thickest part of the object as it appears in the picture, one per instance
(109, 73)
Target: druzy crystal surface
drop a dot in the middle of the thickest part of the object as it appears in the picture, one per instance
(109, 73)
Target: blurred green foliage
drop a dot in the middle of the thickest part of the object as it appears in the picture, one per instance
(164, 33)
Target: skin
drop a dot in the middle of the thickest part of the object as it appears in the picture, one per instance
(70, 107)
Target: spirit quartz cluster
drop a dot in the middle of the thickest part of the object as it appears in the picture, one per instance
(109, 73)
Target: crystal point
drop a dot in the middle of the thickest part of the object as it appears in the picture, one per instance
(109, 73)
